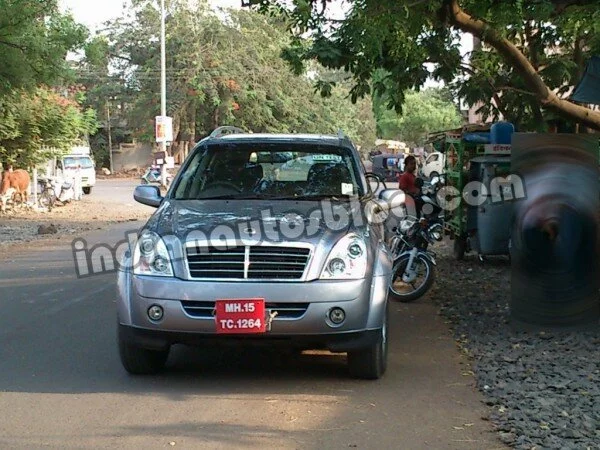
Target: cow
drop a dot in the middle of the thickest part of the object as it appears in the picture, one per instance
(18, 181)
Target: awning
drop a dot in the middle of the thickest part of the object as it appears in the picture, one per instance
(588, 89)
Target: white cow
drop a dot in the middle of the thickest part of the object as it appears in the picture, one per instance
(4, 198)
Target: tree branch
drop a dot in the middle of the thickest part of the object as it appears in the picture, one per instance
(561, 5)
(463, 21)
(13, 45)
(514, 89)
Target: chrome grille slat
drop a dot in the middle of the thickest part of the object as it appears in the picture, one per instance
(204, 310)
(254, 262)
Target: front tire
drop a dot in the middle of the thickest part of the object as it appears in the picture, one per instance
(87, 190)
(141, 361)
(371, 363)
(399, 268)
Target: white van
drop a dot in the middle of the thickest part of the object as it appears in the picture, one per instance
(64, 167)
(434, 165)
(79, 156)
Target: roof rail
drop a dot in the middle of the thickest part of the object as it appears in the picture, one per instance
(225, 130)
(343, 137)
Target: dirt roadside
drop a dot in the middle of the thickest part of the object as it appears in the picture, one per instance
(111, 204)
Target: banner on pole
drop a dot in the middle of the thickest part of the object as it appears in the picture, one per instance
(164, 129)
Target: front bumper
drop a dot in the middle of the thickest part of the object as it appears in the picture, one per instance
(335, 342)
(364, 302)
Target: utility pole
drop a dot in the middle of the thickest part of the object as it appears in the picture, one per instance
(163, 87)
(110, 153)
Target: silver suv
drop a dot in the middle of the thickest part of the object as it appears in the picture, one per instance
(261, 238)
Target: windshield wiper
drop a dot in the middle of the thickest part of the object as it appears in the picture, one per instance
(252, 196)
(336, 198)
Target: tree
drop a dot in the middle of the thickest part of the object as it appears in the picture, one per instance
(36, 125)
(423, 112)
(35, 38)
(540, 46)
(220, 71)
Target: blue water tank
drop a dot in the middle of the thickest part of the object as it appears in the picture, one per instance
(501, 133)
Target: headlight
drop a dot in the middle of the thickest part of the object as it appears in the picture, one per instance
(436, 232)
(347, 260)
(151, 257)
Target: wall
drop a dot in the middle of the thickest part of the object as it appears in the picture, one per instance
(132, 156)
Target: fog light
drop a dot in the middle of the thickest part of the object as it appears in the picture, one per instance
(155, 312)
(337, 315)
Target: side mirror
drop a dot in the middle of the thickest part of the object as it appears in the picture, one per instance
(148, 195)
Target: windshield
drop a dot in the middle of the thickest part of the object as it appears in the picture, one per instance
(71, 162)
(269, 171)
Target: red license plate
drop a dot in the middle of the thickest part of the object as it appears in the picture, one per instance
(240, 316)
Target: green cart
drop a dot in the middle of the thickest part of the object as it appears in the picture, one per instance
(471, 157)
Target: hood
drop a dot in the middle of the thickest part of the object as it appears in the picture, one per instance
(314, 222)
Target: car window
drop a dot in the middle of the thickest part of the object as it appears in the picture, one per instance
(72, 162)
(269, 171)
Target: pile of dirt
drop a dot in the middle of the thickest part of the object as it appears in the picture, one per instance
(76, 218)
(129, 173)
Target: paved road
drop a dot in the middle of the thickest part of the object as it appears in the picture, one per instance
(118, 190)
(62, 386)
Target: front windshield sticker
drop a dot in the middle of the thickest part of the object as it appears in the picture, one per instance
(347, 188)
(336, 158)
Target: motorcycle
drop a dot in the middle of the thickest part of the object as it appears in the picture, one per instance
(153, 175)
(54, 191)
(413, 272)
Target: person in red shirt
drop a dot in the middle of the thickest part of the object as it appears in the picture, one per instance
(407, 184)
(406, 180)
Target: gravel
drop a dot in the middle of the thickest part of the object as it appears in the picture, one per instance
(543, 388)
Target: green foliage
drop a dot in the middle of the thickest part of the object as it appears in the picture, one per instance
(220, 71)
(35, 125)
(402, 36)
(34, 41)
(423, 112)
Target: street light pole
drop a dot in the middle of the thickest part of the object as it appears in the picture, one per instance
(163, 87)
(110, 153)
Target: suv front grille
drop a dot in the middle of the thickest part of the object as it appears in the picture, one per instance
(248, 262)
(204, 310)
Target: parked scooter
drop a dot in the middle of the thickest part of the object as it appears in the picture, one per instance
(153, 175)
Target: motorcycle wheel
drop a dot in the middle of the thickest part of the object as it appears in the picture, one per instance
(46, 200)
(404, 292)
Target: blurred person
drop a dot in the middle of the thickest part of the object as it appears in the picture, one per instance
(407, 184)
(77, 184)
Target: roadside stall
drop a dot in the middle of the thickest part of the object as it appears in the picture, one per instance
(478, 187)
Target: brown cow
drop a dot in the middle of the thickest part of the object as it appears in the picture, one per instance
(19, 181)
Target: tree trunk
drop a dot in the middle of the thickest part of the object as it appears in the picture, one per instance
(513, 56)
